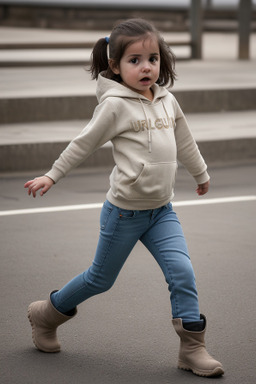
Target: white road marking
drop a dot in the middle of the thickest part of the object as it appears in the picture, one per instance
(78, 207)
(218, 200)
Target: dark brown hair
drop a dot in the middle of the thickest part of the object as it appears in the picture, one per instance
(122, 35)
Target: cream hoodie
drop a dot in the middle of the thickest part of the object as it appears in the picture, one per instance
(147, 137)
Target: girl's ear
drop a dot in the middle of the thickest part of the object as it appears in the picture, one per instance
(114, 68)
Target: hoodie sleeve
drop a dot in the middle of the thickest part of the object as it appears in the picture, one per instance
(187, 150)
(99, 131)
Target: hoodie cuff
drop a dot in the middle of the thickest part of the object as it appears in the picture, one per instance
(202, 178)
(55, 175)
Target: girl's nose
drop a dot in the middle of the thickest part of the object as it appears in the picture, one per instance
(146, 67)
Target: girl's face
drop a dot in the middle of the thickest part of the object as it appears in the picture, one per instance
(140, 66)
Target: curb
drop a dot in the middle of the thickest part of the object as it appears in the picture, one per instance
(18, 157)
(59, 108)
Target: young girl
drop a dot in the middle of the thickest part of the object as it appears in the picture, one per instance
(149, 133)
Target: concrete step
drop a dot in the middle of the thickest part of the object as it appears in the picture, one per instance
(35, 47)
(32, 38)
(55, 108)
(67, 93)
(38, 93)
(38, 46)
(21, 57)
(222, 137)
(38, 57)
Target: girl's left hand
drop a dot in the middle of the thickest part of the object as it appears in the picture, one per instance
(44, 183)
(202, 189)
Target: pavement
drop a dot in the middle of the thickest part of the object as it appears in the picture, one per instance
(45, 101)
(125, 336)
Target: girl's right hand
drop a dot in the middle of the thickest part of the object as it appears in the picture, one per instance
(44, 183)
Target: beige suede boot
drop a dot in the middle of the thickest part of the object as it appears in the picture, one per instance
(44, 319)
(193, 355)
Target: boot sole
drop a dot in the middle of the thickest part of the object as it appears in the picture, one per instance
(37, 345)
(218, 371)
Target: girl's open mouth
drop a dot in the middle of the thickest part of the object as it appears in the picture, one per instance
(145, 80)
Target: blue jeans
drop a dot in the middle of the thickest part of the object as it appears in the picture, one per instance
(160, 231)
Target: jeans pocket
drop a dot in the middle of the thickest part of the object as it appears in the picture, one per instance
(126, 213)
(105, 214)
(168, 206)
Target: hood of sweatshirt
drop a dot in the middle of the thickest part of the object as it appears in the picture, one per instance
(109, 88)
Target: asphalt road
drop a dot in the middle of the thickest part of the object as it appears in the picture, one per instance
(126, 335)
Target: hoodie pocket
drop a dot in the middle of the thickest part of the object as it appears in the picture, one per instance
(155, 181)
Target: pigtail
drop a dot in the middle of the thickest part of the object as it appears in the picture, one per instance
(99, 58)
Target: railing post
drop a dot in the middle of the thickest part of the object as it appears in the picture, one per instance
(196, 16)
(244, 28)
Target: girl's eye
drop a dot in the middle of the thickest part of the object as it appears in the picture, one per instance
(153, 59)
(134, 60)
